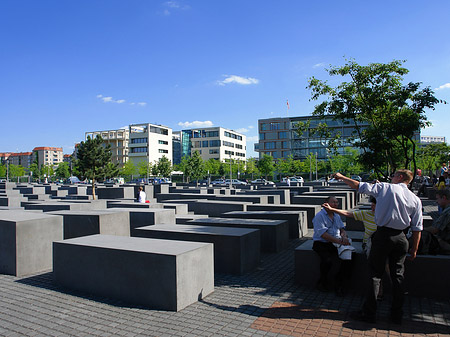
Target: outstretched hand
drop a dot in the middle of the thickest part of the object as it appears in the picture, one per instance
(337, 175)
(326, 206)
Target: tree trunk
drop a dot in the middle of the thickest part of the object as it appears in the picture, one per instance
(93, 189)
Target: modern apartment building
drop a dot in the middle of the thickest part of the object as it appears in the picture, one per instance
(24, 159)
(149, 142)
(118, 139)
(214, 143)
(47, 155)
(424, 140)
(4, 156)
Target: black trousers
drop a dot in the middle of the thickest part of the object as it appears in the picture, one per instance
(387, 245)
(328, 255)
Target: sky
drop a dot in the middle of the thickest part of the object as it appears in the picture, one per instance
(69, 67)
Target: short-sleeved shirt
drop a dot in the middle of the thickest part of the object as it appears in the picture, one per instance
(322, 223)
(397, 206)
(443, 225)
(368, 219)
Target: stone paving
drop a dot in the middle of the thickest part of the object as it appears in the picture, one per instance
(265, 302)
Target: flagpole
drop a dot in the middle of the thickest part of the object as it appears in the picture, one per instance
(287, 108)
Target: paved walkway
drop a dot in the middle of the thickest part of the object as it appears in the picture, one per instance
(265, 302)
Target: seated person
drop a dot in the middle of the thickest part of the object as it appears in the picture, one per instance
(330, 241)
(366, 216)
(141, 195)
(441, 226)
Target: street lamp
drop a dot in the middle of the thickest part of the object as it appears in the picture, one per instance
(230, 173)
(7, 169)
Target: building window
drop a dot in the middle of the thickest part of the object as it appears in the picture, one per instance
(282, 134)
(214, 143)
(262, 136)
(270, 145)
(163, 142)
(138, 140)
(225, 143)
(263, 127)
(238, 146)
(163, 151)
(214, 151)
(204, 143)
(284, 145)
(138, 149)
(274, 126)
(229, 152)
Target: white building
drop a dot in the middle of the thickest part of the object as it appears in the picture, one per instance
(118, 139)
(431, 140)
(214, 143)
(149, 142)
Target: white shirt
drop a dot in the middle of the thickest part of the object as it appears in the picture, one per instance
(142, 197)
(397, 207)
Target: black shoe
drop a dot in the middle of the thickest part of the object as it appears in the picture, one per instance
(362, 317)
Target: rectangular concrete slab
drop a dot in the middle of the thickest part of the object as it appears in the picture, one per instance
(26, 241)
(90, 222)
(159, 274)
(274, 233)
(236, 250)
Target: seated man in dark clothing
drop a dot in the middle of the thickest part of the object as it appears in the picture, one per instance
(331, 241)
(441, 226)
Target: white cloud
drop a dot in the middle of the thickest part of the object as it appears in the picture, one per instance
(242, 130)
(109, 99)
(319, 65)
(444, 86)
(196, 124)
(170, 6)
(250, 126)
(252, 139)
(238, 80)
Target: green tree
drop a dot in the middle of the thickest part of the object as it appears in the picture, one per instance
(144, 168)
(129, 169)
(376, 96)
(47, 171)
(16, 171)
(185, 167)
(251, 168)
(92, 161)
(34, 170)
(164, 167)
(266, 165)
(111, 170)
(431, 156)
(2, 170)
(62, 171)
(196, 166)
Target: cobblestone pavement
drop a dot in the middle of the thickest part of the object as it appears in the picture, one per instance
(265, 302)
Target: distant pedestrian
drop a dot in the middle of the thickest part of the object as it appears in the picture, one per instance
(141, 195)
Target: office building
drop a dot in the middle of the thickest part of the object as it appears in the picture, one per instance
(149, 142)
(118, 140)
(24, 159)
(214, 143)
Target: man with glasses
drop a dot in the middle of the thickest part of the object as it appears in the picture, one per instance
(397, 209)
(330, 239)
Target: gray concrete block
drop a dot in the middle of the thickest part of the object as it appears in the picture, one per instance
(274, 233)
(316, 200)
(311, 210)
(298, 223)
(12, 201)
(216, 208)
(26, 241)
(116, 192)
(236, 250)
(140, 217)
(57, 206)
(90, 222)
(159, 274)
(185, 218)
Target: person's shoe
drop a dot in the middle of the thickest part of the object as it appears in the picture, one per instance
(362, 317)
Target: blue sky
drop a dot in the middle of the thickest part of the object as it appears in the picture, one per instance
(67, 67)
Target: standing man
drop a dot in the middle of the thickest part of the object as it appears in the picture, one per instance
(329, 234)
(397, 209)
(141, 195)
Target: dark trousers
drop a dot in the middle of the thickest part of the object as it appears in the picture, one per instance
(387, 245)
(328, 255)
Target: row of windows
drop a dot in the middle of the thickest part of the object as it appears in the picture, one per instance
(202, 133)
(214, 151)
(206, 143)
(163, 151)
(163, 142)
(229, 144)
(273, 145)
(161, 131)
(232, 135)
(139, 140)
(239, 154)
(238, 146)
(138, 149)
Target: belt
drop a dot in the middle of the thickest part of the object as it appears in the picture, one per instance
(390, 230)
